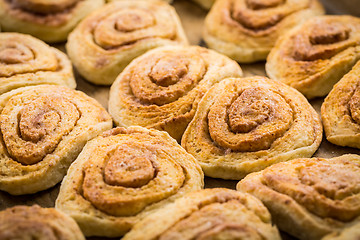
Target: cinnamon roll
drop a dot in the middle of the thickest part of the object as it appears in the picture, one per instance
(313, 57)
(104, 43)
(50, 20)
(244, 125)
(23, 222)
(216, 213)
(309, 197)
(162, 88)
(43, 129)
(246, 30)
(340, 111)
(25, 60)
(124, 175)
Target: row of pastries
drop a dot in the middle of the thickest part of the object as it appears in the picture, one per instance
(181, 113)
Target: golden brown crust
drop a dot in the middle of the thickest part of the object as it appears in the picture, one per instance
(124, 175)
(340, 111)
(314, 56)
(50, 21)
(23, 222)
(309, 198)
(216, 213)
(43, 129)
(162, 88)
(105, 42)
(246, 30)
(244, 125)
(26, 61)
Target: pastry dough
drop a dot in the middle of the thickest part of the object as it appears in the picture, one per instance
(340, 111)
(25, 60)
(43, 129)
(216, 213)
(351, 233)
(124, 175)
(105, 42)
(309, 198)
(23, 222)
(243, 125)
(49, 20)
(246, 30)
(162, 88)
(313, 57)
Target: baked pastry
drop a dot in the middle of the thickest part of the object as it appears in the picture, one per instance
(105, 42)
(244, 125)
(162, 88)
(309, 197)
(313, 57)
(23, 222)
(216, 213)
(246, 30)
(124, 175)
(206, 4)
(25, 60)
(49, 20)
(340, 111)
(43, 129)
(350, 233)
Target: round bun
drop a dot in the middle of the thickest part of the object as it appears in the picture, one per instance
(244, 125)
(124, 175)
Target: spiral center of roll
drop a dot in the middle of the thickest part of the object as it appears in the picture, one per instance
(35, 128)
(168, 71)
(44, 6)
(250, 120)
(263, 4)
(255, 20)
(323, 41)
(128, 171)
(165, 78)
(13, 55)
(248, 111)
(133, 20)
(335, 181)
(329, 34)
(39, 126)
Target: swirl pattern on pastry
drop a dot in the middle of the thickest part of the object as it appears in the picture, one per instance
(23, 222)
(216, 213)
(162, 88)
(50, 20)
(43, 129)
(124, 175)
(25, 61)
(309, 197)
(313, 57)
(246, 30)
(243, 125)
(104, 43)
(340, 111)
